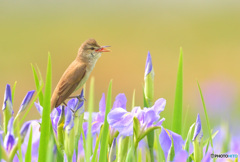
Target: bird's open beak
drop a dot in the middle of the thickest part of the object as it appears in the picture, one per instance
(103, 49)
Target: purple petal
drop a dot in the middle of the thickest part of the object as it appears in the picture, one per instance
(116, 114)
(120, 101)
(181, 156)
(165, 141)
(9, 142)
(125, 121)
(121, 120)
(150, 117)
(160, 122)
(9, 139)
(8, 100)
(10, 126)
(96, 127)
(39, 108)
(126, 131)
(55, 117)
(148, 66)
(26, 101)
(159, 105)
(198, 129)
(76, 106)
(207, 157)
(25, 128)
(112, 155)
(35, 139)
(178, 142)
(68, 117)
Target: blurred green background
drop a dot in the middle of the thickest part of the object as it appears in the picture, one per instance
(208, 32)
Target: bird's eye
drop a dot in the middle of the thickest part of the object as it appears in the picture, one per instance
(92, 48)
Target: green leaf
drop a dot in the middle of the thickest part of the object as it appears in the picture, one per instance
(105, 137)
(94, 158)
(78, 131)
(90, 110)
(45, 126)
(122, 148)
(136, 128)
(171, 153)
(148, 131)
(60, 130)
(206, 142)
(189, 137)
(4, 154)
(198, 150)
(19, 143)
(28, 155)
(50, 147)
(133, 99)
(130, 155)
(177, 112)
(159, 150)
(13, 91)
(145, 102)
(38, 84)
(206, 115)
(149, 87)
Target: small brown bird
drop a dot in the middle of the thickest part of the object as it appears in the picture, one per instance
(78, 71)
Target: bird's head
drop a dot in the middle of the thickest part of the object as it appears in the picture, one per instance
(90, 49)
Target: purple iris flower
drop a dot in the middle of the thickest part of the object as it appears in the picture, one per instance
(198, 130)
(120, 102)
(7, 104)
(148, 66)
(26, 101)
(9, 140)
(77, 105)
(74, 108)
(25, 132)
(68, 123)
(166, 142)
(122, 120)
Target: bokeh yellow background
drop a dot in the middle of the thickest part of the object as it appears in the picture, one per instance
(208, 32)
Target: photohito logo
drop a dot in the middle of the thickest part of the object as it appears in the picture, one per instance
(224, 156)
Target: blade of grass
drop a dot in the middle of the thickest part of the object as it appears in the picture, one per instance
(189, 138)
(28, 155)
(38, 85)
(94, 158)
(19, 143)
(104, 140)
(50, 147)
(177, 112)
(45, 126)
(206, 115)
(90, 110)
(133, 99)
(13, 91)
(159, 150)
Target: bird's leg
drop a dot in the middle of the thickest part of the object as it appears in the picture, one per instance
(64, 103)
(78, 97)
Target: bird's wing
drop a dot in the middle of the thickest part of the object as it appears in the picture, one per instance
(68, 82)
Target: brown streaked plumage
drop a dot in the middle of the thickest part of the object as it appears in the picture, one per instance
(77, 72)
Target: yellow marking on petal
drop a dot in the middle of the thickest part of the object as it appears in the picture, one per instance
(126, 114)
(94, 122)
(167, 132)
